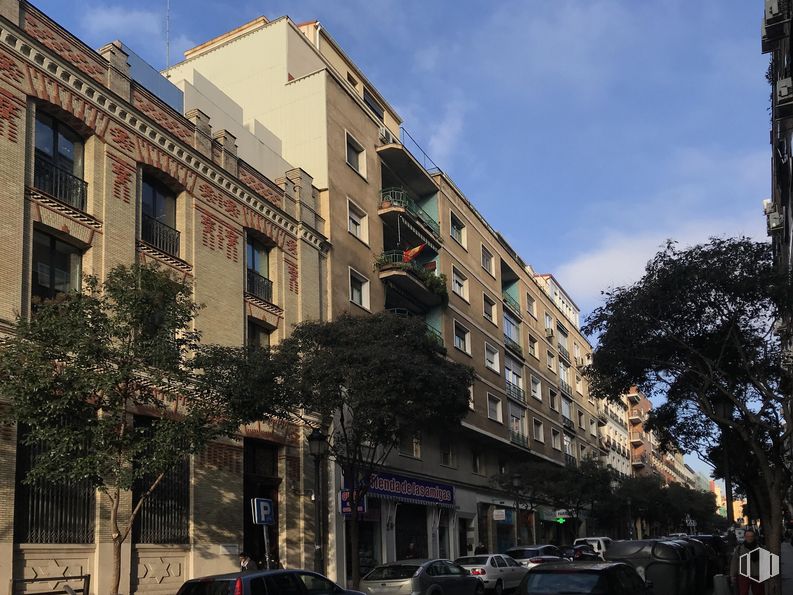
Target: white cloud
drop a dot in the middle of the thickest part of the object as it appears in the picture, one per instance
(446, 132)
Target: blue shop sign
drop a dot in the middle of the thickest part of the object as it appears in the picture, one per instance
(409, 489)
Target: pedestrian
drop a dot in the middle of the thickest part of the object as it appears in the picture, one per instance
(480, 549)
(247, 564)
(412, 552)
(744, 583)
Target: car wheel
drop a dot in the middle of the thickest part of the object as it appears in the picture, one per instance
(499, 590)
(480, 589)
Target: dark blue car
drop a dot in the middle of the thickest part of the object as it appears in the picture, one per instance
(264, 582)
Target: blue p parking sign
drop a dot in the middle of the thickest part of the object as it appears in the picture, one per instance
(262, 511)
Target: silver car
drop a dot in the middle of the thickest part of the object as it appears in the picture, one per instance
(421, 577)
(498, 573)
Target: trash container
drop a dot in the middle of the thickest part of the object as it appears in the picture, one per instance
(701, 564)
(689, 558)
(662, 562)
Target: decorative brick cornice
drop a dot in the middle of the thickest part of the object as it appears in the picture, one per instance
(62, 208)
(72, 80)
(172, 261)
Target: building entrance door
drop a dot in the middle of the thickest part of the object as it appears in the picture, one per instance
(260, 480)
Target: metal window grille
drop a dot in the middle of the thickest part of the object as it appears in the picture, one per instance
(165, 515)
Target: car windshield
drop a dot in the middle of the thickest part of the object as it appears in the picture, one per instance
(563, 582)
(520, 554)
(207, 588)
(472, 561)
(391, 573)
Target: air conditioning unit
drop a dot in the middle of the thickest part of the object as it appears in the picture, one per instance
(768, 206)
(386, 136)
(549, 332)
(775, 222)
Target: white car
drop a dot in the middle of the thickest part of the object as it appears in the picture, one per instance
(599, 544)
(531, 555)
(498, 573)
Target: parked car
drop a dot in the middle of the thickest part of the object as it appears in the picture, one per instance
(599, 544)
(264, 582)
(597, 578)
(496, 572)
(526, 554)
(422, 577)
(580, 553)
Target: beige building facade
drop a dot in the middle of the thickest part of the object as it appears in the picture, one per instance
(96, 171)
(406, 239)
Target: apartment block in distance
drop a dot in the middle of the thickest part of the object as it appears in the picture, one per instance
(98, 167)
(406, 239)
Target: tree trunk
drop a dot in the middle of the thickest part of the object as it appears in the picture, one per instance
(772, 532)
(355, 561)
(117, 541)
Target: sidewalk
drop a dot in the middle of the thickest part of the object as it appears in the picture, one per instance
(786, 567)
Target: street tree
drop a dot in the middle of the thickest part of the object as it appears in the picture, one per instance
(528, 483)
(113, 386)
(697, 331)
(372, 381)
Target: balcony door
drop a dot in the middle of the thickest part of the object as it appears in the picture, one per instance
(158, 206)
(58, 164)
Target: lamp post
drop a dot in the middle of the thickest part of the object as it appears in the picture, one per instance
(724, 409)
(516, 486)
(318, 448)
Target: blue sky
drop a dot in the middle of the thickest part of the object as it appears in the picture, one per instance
(586, 131)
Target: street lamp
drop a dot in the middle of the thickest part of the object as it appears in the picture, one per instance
(516, 483)
(318, 448)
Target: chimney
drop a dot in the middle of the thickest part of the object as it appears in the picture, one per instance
(202, 133)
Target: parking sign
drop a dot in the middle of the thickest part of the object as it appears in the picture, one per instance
(262, 511)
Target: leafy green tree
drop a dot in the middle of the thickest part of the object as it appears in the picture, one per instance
(698, 330)
(371, 380)
(76, 372)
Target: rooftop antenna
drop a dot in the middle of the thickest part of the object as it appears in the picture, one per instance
(167, 37)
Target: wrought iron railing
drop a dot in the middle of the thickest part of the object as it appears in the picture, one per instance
(516, 392)
(511, 303)
(564, 352)
(513, 345)
(639, 460)
(59, 183)
(412, 147)
(637, 437)
(160, 235)
(436, 334)
(565, 386)
(399, 197)
(519, 438)
(165, 514)
(259, 286)
(570, 460)
(568, 423)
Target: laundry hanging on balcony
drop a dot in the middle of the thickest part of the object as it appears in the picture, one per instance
(412, 253)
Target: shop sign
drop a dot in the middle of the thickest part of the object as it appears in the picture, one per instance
(408, 488)
(563, 513)
(345, 503)
(499, 514)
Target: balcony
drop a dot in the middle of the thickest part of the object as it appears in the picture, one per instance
(424, 286)
(568, 423)
(397, 200)
(602, 417)
(784, 97)
(570, 460)
(59, 183)
(565, 386)
(406, 166)
(519, 438)
(637, 438)
(564, 352)
(513, 345)
(435, 334)
(511, 303)
(514, 391)
(634, 398)
(159, 235)
(636, 416)
(259, 286)
(775, 18)
(639, 461)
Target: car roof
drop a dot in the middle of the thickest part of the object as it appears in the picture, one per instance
(583, 566)
(249, 574)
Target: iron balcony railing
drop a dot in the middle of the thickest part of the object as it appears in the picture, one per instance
(435, 334)
(259, 286)
(637, 437)
(570, 460)
(564, 352)
(59, 183)
(513, 345)
(568, 423)
(399, 197)
(160, 235)
(519, 438)
(640, 460)
(565, 386)
(516, 392)
(511, 303)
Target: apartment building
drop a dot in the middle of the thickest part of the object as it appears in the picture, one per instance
(99, 169)
(406, 239)
(615, 436)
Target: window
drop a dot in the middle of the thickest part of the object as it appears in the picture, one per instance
(487, 261)
(567, 410)
(491, 358)
(533, 346)
(494, 408)
(511, 328)
(579, 385)
(539, 431)
(257, 263)
(459, 283)
(471, 397)
(564, 374)
(568, 445)
(158, 207)
(516, 417)
(593, 427)
(373, 104)
(576, 350)
(513, 372)
(550, 360)
(56, 266)
(447, 453)
(462, 338)
(536, 388)
(258, 336)
(410, 445)
(357, 222)
(356, 157)
(58, 168)
(581, 420)
(489, 308)
(477, 465)
(359, 289)
(556, 439)
(548, 321)
(553, 400)
(457, 230)
(531, 305)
